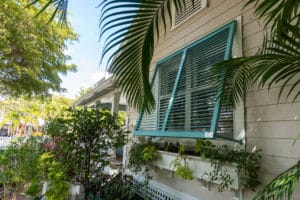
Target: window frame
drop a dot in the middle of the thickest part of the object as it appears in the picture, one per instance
(214, 122)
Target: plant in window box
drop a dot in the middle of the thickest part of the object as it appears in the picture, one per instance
(246, 164)
(181, 166)
(171, 147)
(142, 155)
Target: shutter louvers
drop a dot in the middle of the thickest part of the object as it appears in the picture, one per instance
(185, 98)
(148, 122)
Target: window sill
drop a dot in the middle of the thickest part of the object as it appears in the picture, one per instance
(199, 166)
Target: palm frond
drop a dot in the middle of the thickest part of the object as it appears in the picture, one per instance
(282, 186)
(232, 78)
(277, 13)
(60, 11)
(278, 61)
(129, 29)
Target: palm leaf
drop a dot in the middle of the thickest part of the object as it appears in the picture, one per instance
(130, 29)
(281, 186)
(277, 13)
(278, 61)
(60, 11)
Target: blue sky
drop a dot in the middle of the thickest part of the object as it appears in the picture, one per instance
(84, 16)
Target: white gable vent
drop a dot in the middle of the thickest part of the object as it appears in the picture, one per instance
(188, 10)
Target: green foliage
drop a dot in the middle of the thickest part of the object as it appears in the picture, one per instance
(277, 13)
(83, 91)
(171, 147)
(79, 141)
(220, 174)
(20, 166)
(182, 169)
(31, 54)
(30, 110)
(58, 184)
(246, 163)
(281, 187)
(114, 187)
(142, 155)
(122, 117)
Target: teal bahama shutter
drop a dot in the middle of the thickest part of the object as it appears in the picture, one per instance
(185, 99)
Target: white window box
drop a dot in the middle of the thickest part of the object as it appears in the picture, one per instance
(199, 167)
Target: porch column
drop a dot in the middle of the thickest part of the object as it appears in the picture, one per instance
(115, 110)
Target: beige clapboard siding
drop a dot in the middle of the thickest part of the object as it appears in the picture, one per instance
(256, 87)
(277, 165)
(252, 28)
(251, 51)
(275, 147)
(273, 129)
(269, 96)
(278, 112)
(253, 41)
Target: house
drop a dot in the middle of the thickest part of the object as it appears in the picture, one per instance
(213, 31)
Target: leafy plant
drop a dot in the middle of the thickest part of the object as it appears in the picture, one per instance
(246, 163)
(58, 183)
(32, 54)
(182, 169)
(142, 155)
(79, 143)
(171, 147)
(220, 173)
(281, 186)
(20, 167)
(111, 187)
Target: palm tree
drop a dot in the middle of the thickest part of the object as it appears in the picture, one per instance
(131, 29)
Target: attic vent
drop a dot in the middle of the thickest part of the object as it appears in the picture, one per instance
(157, 194)
(189, 10)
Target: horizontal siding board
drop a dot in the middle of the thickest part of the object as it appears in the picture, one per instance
(282, 130)
(275, 147)
(251, 51)
(269, 97)
(253, 41)
(280, 112)
(275, 164)
(252, 28)
(256, 87)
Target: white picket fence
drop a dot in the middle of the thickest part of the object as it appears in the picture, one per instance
(6, 141)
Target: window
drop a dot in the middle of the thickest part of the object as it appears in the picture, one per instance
(186, 103)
